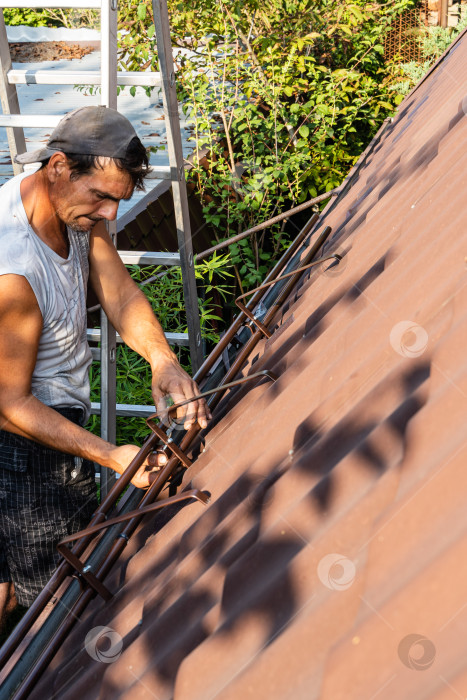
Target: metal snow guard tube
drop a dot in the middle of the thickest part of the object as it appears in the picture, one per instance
(83, 570)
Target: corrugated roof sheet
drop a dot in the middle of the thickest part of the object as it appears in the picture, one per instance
(331, 561)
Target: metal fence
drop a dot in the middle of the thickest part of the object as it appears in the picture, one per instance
(403, 40)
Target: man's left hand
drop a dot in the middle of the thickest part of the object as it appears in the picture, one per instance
(170, 379)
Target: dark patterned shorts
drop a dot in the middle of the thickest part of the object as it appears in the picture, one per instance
(45, 495)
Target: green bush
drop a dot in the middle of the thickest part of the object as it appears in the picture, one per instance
(283, 97)
(48, 17)
(22, 16)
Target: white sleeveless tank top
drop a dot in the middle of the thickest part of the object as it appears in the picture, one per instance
(61, 374)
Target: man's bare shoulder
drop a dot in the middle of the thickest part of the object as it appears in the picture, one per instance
(103, 255)
(16, 295)
(20, 330)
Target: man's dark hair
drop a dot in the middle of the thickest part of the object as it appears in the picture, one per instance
(135, 163)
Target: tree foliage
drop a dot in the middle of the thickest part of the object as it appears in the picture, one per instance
(282, 95)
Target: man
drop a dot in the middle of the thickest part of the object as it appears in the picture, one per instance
(53, 240)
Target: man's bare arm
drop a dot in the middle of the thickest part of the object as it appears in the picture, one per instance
(130, 313)
(20, 411)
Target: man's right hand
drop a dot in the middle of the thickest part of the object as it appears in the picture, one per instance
(121, 457)
(23, 414)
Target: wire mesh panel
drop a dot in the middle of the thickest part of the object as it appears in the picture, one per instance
(403, 40)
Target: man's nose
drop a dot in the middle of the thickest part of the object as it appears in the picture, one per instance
(108, 210)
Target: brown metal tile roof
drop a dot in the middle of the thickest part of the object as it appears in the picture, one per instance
(331, 562)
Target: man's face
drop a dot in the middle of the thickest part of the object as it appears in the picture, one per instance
(81, 203)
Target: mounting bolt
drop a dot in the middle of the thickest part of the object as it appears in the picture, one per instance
(112, 354)
(86, 569)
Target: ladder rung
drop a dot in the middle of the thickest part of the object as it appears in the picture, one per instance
(94, 335)
(31, 121)
(34, 4)
(163, 172)
(137, 257)
(123, 409)
(57, 77)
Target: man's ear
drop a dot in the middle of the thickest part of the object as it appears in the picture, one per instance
(57, 167)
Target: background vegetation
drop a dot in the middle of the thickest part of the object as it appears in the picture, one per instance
(15, 16)
(283, 96)
(434, 42)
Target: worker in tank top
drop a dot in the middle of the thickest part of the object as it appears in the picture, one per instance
(53, 242)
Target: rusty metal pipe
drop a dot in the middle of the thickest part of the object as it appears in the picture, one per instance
(249, 311)
(268, 223)
(63, 569)
(257, 335)
(144, 510)
(27, 685)
(238, 321)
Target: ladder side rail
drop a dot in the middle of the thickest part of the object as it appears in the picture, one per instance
(9, 100)
(108, 334)
(174, 143)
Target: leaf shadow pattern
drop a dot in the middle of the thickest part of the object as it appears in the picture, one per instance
(319, 453)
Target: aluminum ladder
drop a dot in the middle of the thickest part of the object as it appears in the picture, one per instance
(108, 79)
